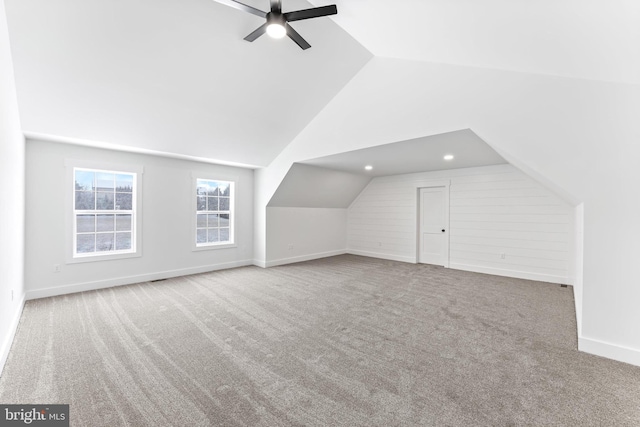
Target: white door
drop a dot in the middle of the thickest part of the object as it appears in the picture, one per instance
(434, 223)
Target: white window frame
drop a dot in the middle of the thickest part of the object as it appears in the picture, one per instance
(136, 211)
(232, 180)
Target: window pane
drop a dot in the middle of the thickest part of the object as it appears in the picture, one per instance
(124, 183)
(107, 227)
(213, 197)
(104, 242)
(123, 222)
(123, 201)
(201, 221)
(105, 181)
(123, 241)
(85, 243)
(212, 203)
(85, 200)
(213, 221)
(224, 203)
(201, 203)
(85, 223)
(225, 189)
(201, 188)
(212, 235)
(212, 188)
(84, 180)
(106, 223)
(104, 201)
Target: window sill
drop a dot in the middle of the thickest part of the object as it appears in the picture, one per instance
(213, 247)
(106, 257)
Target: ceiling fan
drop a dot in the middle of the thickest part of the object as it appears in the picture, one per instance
(277, 25)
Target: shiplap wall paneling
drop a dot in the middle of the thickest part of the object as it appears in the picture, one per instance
(501, 222)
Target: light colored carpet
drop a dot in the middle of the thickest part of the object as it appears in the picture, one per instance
(343, 341)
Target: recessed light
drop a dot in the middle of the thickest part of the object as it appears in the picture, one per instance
(448, 157)
(368, 167)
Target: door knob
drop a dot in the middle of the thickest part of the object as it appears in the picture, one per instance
(443, 230)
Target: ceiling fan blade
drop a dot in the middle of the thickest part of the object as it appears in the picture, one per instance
(315, 12)
(241, 6)
(293, 35)
(257, 33)
(276, 6)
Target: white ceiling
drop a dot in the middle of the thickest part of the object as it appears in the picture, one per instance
(590, 39)
(175, 76)
(416, 155)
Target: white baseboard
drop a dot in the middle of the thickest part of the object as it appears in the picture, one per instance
(610, 351)
(260, 263)
(301, 258)
(128, 280)
(563, 280)
(13, 327)
(390, 257)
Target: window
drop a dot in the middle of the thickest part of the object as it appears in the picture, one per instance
(214, 213)
(104, 212)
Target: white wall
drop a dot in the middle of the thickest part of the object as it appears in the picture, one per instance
(578, 271)
(166, 221)
(493, 210)
(307, 216)
(300, 234)
(12, 178)
(577, 137)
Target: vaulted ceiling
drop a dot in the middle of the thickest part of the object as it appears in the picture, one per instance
(173, 76)
(176, 77)
(593, 39)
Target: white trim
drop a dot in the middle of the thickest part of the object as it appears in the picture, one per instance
(578, 262)
(13, 328)
(260, 263)
(610, 351)
(301, 258)
(214, 246)
(70, 232)
(233, 237)
(424, 184)
(563, 280)
(390, 257)
(128, 280)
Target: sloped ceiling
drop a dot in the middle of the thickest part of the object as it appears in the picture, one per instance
(594, 39)
(415, 155)
(176, 77)
(307, 186)
(173, 76)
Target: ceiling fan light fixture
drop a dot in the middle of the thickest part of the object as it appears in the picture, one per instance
(276, 30)
(277, 22)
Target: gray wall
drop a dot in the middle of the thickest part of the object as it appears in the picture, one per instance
(166, 221)
(12, 199)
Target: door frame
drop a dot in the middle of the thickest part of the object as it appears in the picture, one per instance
(433, 184)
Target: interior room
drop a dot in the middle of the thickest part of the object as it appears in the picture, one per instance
(302, 212)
